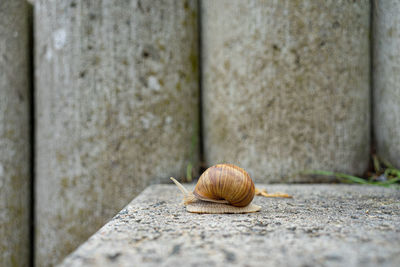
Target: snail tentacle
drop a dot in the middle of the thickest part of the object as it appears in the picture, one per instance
(188, 197)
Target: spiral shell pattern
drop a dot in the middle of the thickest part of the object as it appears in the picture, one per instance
(225, 182)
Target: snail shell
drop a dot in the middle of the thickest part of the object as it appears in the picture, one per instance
(223, 188)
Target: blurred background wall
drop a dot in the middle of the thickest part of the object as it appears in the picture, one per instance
(116, 95)
(386, 79)
(286, 86)
(282, 87)
(15, 135)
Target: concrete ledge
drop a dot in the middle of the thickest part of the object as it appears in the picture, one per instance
(328, 225)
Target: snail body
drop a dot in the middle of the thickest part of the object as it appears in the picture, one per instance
(223, 188)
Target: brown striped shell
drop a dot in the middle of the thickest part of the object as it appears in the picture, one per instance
(223, 188)
(225, 183)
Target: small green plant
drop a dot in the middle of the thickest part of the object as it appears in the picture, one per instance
(383, 174)
(193, 151)
(189, 169)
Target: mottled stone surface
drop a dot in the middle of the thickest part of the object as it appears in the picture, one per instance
(14, 133)
(116, 98)
(386, 77)
(286, 86)
(323, 225)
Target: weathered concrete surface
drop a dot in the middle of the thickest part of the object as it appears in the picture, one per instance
(286, 86)
(386, 77)
(323, 225)
(116, 94)
(14, 132)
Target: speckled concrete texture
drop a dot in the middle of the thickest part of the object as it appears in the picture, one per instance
(116, 98)
(386, 77)
(323, 225)
(286, 86)
(14, 133)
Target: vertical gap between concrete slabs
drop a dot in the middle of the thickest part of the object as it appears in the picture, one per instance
(373, 11)
(200, 83)
(31, 47)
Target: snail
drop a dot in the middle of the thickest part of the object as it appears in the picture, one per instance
(223, 188)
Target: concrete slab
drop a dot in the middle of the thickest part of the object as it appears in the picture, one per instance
(114, 81)
(286, 86)
(327, 225)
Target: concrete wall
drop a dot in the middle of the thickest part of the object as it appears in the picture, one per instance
(286, 86)
(14, 133)
(116, 96)
(386, 77)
